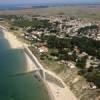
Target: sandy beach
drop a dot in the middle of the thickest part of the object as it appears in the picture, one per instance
(58, 93)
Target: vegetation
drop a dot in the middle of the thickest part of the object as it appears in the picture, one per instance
(92, 75)
(55, 42)
(37, 24)
(90, 46)
(85, 30)
(81, 63)
(40, 24)
(22, 23)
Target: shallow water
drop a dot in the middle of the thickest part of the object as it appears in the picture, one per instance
(14, 85)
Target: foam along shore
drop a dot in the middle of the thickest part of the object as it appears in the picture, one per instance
(55, 90)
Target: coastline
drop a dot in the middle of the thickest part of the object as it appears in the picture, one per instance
(55, 91)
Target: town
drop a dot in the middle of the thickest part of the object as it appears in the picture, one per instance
(66, 45)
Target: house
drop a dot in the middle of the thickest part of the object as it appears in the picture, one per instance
(71, 64)
(37, 33)
(43, 49)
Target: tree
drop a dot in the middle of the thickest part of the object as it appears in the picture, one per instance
(81, 63)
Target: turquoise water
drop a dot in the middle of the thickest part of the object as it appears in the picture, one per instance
(13, 84)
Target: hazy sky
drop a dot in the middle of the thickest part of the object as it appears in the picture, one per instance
(46, 1)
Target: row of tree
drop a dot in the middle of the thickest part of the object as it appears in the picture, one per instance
(87, 29)
(90, 46)
(37, 24)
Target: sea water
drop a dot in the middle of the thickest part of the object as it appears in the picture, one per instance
(14, 85)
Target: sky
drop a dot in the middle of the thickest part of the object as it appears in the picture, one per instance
(46, 1)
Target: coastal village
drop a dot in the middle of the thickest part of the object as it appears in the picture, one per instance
(66, 45)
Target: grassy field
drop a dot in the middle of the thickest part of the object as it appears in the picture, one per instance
(83, 11)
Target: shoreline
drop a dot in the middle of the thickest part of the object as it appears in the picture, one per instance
(55, 91)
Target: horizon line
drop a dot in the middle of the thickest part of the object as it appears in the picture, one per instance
(41, 3)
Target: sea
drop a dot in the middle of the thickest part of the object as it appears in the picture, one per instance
(44, 5)
(23, 6)
(15, 82)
